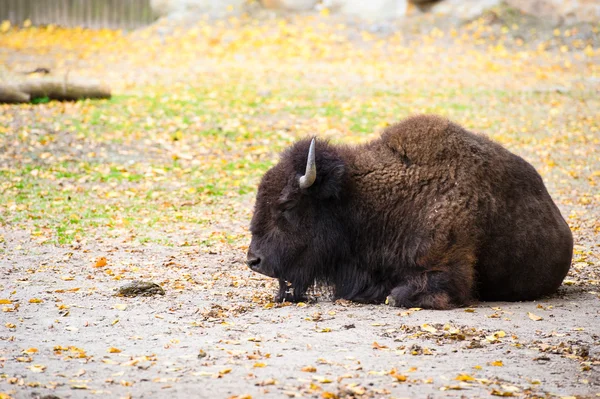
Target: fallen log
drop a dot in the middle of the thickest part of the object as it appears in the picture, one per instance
(12, 95)
(53, 89)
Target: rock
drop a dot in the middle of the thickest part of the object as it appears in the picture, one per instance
(373, 9)
(178, 8)
(290, 5)
(560, 11)
(140, 288)
(463, 9)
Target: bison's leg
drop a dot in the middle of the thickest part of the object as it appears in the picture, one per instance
(285, 292)
(433, 290)
(291, 293)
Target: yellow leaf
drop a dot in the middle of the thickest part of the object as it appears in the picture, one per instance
(35, 300)
(464, 377)
(495, 336)
(428, 328)
(10, 325)
(451, 387)
(497, 363)
(309, 369)
(534, 317)
(225, 371)
(5, 26)
(114, 350)
(30, 350)
(37, 368)
(377, 346)
(324, 11)
(329, 395)
(495, 392)
(120, 306)
(322, 379)
(5, 302)
(259, 364)
(101, 262)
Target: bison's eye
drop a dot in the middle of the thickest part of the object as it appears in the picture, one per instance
(286, 205)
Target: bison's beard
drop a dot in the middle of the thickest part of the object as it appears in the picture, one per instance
(292, 292)
(294, 284)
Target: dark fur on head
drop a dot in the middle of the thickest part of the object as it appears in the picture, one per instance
(429, 215)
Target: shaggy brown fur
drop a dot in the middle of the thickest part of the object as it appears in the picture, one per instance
(428, 215)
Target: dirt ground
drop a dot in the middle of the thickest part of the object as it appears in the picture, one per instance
(216, 333)
(207, 338)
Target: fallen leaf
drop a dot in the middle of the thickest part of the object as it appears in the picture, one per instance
(309, 369)
(496, 392)
(534, 317)
(464, 377)
(377, 346)
(35, 300)
(497, 363)
(37, 368)
(428, 328)
(114, 350)
(101, 262)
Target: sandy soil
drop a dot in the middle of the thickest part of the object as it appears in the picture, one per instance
(216, 335)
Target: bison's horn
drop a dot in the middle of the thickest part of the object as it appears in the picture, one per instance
(311, 168)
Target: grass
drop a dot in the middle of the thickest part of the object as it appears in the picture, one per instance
(170, 157)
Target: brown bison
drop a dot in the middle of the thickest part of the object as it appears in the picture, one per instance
(429, 215)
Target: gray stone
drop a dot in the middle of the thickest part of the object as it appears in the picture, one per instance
(290, 5)
(216, 8)
(373, 9)
(560, 11)
(463, 9)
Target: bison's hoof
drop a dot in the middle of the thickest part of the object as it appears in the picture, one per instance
(285, 297)
(390, 301)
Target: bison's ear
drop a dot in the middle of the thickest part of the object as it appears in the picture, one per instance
(323, 169)
(329, 178)
(330, 174)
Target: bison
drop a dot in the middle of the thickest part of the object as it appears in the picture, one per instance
(428, 215)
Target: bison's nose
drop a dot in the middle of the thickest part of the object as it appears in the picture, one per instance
(253, 262)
